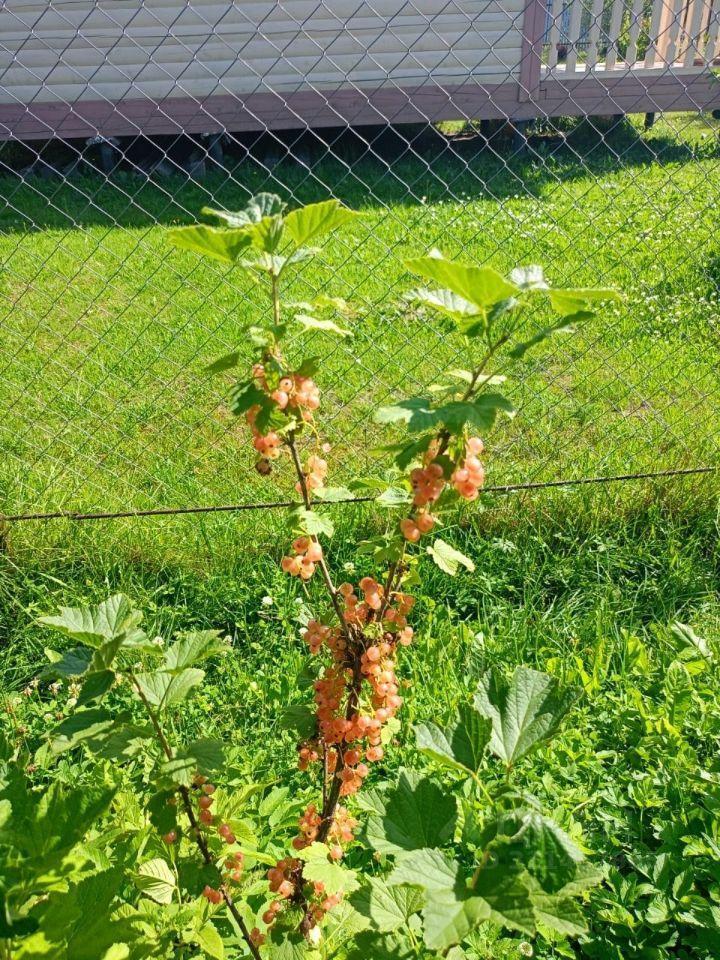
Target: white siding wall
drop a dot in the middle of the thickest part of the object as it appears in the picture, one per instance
(69, 50)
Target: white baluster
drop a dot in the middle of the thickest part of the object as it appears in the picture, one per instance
(576, 9)
(635, 23)
(594, 33)
(556, 12)
(616, 18)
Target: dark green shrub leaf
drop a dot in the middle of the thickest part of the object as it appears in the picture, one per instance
(460, 746)
(163, 689)
(416, 814)
(109, 620)
(523, 712)
(203, 756)
(387, 907)
(95, 685)
(192, 648)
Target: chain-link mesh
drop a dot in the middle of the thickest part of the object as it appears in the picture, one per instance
(503, 132)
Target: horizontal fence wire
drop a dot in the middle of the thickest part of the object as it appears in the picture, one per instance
(283, 504)
(579, 134)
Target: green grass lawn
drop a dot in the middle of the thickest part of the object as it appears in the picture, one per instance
(107, 329)
(105, 406)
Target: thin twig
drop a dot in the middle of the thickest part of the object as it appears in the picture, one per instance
(194, 825)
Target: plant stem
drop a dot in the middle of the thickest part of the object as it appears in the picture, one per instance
(190, 813)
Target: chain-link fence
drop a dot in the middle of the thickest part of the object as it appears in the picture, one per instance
(578, 134)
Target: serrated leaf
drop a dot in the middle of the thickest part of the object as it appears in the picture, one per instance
(300, 719)
(387, 907)
(316, 219)
(72, 663)
(82, 725)
(417, 412)
(393, 497)
(506, 891)
(479, 413)
(332, 494)
(223, 245)
(451, 910)
(481, 286)
(527, 838)
(164, 689)
(560, 326)
(210, 942)
(95, 685)
(446, 302)
(313, 523)
(191, 648)
(461, 745)
(113, 618)
(524, 712)
(321, 323)
(529, 278)
(319, 869)
(416, 814)
(204, 756)
(448, 558)
(566, 302)
(258, 207)
(156, 880)
(370, 945)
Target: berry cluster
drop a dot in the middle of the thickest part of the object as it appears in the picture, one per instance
(266, 444)
(308, 553)
(412, 528)
(293, 391)
(427, 484)
(469, 477)
(314, 473)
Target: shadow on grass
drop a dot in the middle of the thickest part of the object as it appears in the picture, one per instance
(404, 166)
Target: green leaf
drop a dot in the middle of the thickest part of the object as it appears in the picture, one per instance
(416, 814)
(448, 558)
(417, 412)
(529, 839)
(461, 746)
(507, 893)
(566, 302)
(72, 663)
(394, 497)
(320, 869)
(226, 362)
(109, 620)
(191, 648)
(480, 286)
(312, 523)
(523, 712)
(245, 395)
(560, 326)
(529, 278)
(210, 942)
(387, 907)
(204, 756)
(370, 945)
(80, 726)
(319, 323)
(332, 494)
(300, 719)
(316, 219)
(451, 910)
(407, 452)
(687, 636)
(164, 689)
(223, 245)
(446, 302)
(258, 207)
(95, 685)
(156, 880)
(479, 413)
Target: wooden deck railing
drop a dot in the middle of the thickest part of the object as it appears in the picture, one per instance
(583, 37)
